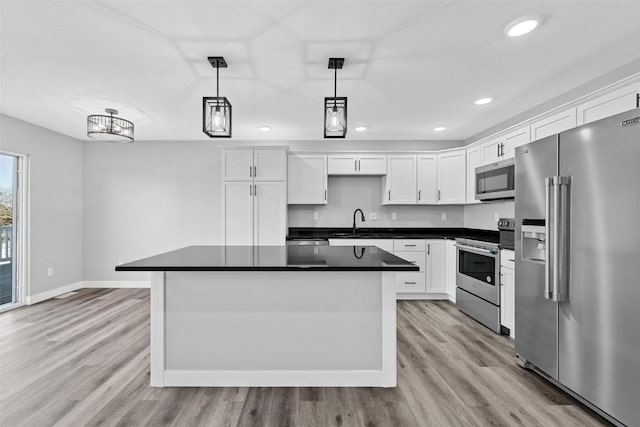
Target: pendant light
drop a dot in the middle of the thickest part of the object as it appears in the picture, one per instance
(335, 108)
(216, 110)
(109, 128)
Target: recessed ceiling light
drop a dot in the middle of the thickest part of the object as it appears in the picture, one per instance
(360, 128)
(521, 27)
(265, 128)
(439, 128)
(483, 101)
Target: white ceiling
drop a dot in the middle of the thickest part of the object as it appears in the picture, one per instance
(410, 65)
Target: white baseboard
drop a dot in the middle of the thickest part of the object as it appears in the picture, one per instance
(42, 296)
(422, 296)
(116, 284)
(301, 378)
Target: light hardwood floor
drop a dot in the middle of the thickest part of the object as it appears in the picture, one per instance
(84, 360)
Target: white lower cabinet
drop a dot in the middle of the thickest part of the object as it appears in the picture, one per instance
(436, 267)
(431, 281)
(508, 291)
(254, 213)
(451, 267)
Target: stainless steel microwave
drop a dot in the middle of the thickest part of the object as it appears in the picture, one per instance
(496, 181)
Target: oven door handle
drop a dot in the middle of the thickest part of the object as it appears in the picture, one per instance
(476, 250)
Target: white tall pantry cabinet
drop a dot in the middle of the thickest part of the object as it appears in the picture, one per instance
(254, 197)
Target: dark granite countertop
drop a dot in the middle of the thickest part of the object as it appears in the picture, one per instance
(272, 258)
(303, 233)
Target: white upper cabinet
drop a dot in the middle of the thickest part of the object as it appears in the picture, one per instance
(427, 179)
(491, 151)
(372, 164)
(342, 164)
(237, 165)
(258, 165)
(514, 139)
(307, 183)
(270, 165)
(400, 181)
(357, 164)
(618, 101)
(474, 159)
(452, 177)
(553, 124)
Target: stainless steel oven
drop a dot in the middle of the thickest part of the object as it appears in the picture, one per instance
(496, 181)
(478, 281)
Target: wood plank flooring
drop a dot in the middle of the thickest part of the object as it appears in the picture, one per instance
(83, 360)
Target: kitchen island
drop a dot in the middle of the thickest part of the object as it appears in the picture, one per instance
(273, 316)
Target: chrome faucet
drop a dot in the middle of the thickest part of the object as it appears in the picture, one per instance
(354, 219)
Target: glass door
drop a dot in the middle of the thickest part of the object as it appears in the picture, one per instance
(8, 190)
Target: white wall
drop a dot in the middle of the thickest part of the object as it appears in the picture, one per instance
(145, 198)
(345, 194)
(483, 215)
(55, 238)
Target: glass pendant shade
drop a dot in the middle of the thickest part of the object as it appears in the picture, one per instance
(216, 117)
(335, 117)
(109, 128)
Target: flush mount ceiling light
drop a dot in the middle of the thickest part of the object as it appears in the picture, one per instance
(335, 108)
(216, 110)
(521, 26)
(360, 128)
(439, 128)
(264, 128)
(109, 128)
(483, 100)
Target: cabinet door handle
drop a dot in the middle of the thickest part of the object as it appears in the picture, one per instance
(418, 194)
(250, 171)
(255, 171)
(498, 150)
(255, 190)
(250, 190)
(389, 195)
(438, 194)
(355, 165)
(428, 249)
(325, 195)
(359, 165)
(637, 100)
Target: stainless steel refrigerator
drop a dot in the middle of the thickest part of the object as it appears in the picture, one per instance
(577, 248)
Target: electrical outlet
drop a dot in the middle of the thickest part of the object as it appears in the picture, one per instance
(394, 216)
(316, 216)
(496, 216)
(373, 216)
(444, 216)
(50, 271)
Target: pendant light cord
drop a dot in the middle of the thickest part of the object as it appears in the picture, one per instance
(335, 88)
(217, 86)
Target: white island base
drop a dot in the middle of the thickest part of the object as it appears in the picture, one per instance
(273, 328)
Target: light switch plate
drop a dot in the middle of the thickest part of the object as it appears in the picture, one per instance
(316, 216)
(394, 216)
(444, 216)
(496, 216)
(373, 216)
(50, 271)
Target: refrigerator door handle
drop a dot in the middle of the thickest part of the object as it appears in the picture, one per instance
(548, 249)
(561, 237)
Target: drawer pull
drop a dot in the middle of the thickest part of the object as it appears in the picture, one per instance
(410, 246)
(409, 283)
(512, 260)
